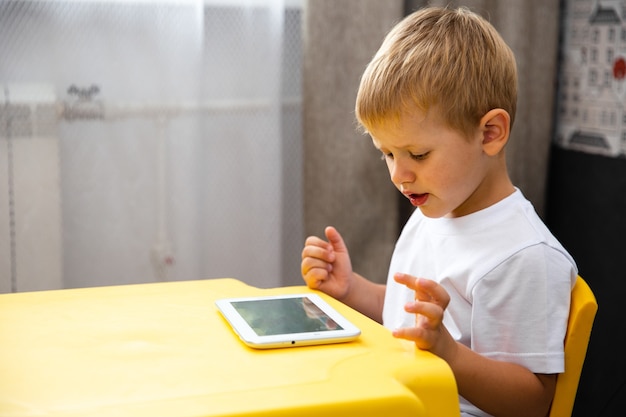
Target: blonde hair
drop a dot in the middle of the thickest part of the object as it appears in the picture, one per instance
(450, 58)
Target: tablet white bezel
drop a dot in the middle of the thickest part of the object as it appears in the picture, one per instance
(249, 337)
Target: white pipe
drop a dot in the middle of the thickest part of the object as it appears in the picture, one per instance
(97, 109)
(162, 254)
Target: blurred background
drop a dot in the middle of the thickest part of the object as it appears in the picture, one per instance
(149, 140)
(157, 140)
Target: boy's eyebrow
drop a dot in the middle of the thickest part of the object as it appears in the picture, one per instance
(403, 146)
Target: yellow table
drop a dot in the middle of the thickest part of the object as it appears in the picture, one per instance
(164, 350)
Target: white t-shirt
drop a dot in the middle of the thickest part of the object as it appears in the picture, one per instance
(508, 278)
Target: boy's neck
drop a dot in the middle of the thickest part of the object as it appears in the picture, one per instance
(495, 187)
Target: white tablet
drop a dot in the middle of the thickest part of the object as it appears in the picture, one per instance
(286, 321)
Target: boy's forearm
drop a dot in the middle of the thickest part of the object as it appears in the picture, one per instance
(366, 296)
(501, 388)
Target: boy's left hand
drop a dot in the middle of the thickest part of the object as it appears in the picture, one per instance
(431, 300)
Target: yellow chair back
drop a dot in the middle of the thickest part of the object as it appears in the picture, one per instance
(582, 314)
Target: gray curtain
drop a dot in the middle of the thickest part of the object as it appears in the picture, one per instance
(346, 184)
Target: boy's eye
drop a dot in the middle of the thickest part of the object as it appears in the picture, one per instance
(419, 157)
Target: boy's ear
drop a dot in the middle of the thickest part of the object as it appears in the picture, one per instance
(495, 127)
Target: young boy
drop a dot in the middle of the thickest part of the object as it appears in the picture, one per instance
(476, 278)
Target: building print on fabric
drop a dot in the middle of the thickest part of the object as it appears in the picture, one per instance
(592, 114)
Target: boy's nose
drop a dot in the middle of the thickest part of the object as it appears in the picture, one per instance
(400, 173)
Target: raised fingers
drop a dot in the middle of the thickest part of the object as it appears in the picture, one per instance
(428, 324)
(425, 289)
(431, 300)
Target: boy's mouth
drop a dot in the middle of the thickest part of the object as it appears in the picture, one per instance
(417, 199)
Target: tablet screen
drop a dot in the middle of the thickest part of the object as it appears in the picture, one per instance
(286, 320)
(284, 316)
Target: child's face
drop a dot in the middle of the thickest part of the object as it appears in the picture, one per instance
(438, 169)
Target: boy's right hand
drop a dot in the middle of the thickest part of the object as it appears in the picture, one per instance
(326, 265)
